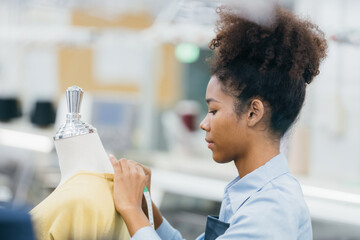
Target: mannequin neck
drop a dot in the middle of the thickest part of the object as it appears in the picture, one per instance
(81, 153)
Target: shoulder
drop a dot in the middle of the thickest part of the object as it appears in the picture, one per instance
(280, 197)
(75, 196)
(63, 204)
(277, 209)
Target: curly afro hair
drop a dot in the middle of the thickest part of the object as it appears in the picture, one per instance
(273, 63)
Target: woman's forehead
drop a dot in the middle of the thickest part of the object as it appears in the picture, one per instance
(215, 93)
(213, 87)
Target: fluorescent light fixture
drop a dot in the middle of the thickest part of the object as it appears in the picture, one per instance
(329, 194)
(27, 141)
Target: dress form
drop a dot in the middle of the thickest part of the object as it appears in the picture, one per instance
(82, 206)
(77, 144)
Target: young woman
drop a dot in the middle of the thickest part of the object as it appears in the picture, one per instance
(259, 76)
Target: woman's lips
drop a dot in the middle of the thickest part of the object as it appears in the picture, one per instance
(210, 143)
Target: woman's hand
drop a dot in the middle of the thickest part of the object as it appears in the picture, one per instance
(129, 183)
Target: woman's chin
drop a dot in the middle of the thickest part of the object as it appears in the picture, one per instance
(218, 159)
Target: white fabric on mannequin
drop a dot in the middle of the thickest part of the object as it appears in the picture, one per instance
(84, 152)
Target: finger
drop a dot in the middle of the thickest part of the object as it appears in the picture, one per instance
(124, 166)
(132, 167)
(147, 170)
(139, 166)
(115, 163)
(141, 176)
(140, 170)
(131, 164)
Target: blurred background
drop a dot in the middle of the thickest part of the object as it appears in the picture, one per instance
(142, 65)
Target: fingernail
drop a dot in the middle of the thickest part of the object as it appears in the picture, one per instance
(110, 155)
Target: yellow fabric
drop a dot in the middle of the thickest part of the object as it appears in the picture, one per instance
(81, 208)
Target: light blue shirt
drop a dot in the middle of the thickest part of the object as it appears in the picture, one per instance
(267, 203)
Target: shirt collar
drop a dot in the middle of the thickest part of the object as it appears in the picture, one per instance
(240, 189)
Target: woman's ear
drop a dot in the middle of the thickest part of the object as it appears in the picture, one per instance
(255, 112)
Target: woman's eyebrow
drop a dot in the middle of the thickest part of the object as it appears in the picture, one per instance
(208, 100)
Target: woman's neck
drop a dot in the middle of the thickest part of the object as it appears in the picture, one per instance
(257, 155)
(84, 152)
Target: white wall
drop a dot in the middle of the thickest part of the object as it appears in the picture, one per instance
(332, 106)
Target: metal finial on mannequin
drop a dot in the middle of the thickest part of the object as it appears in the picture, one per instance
(74, 126)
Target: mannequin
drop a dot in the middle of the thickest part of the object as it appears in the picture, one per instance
(81, 153)
(77, 144)
(81, 206)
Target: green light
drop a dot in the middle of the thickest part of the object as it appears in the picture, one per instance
(187, 52)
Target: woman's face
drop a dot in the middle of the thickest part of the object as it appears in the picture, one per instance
(225, 131)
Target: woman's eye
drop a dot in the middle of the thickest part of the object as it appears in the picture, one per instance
(213, 112)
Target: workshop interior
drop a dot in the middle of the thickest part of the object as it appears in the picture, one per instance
(142, 67)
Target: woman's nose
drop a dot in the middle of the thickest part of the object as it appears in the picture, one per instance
(204, 125)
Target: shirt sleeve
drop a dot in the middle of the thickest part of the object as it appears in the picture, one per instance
(165, 231)
(146, 233)
(264, 217)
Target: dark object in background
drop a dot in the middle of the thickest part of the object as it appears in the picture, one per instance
(9, 109)
(15, 223)
(43, 114)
